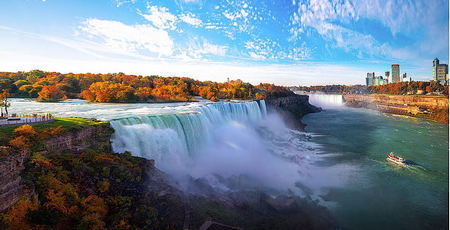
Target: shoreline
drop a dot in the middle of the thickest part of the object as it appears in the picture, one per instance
(420, 106)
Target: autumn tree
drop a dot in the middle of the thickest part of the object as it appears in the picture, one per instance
(51, 93)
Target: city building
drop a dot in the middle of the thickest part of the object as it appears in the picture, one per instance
(405, 78)
(369, 78)
(395, 73)
(386, 77)
(440, 72)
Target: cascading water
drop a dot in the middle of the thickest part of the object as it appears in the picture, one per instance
(326, 100)
(220, 142)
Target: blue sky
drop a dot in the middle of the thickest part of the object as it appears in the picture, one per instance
(288, 42)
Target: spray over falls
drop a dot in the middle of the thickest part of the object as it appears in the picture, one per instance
(222, 143)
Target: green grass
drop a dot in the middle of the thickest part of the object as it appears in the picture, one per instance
(66, 123)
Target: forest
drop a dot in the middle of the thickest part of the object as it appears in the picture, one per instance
(120, 87)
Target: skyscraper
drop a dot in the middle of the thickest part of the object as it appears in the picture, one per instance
(386, 77)
(395, 73)
(369, 79)
(440, 71)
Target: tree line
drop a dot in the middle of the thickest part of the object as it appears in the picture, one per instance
(400, 88)
(120, 87)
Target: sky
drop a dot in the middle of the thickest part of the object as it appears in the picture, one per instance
(286, 42)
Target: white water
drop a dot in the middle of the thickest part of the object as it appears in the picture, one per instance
(231, 145)
(326, 100)
(225, 144)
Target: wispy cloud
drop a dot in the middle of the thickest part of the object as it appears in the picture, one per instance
(190, 18)
(129, 37)
(161, 18)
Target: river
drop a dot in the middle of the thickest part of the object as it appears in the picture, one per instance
(383, 196)
(339, 160)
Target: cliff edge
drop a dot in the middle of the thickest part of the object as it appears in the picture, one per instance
(292, 108)
(423, 106)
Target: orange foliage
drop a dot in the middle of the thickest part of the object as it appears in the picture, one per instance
(108, 92)
(25, 130)
(20, 142)
(53, 86)
(94, 212)
(16, 215)
(51, 93)
(52, 131)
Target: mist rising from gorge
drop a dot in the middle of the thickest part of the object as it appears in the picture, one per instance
(231, 146)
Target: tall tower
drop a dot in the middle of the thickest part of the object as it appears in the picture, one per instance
(395, 73)
(434, 75)
(386, 76)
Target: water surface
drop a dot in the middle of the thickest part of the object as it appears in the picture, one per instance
(381, 195)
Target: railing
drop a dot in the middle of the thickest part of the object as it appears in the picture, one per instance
(16, 119)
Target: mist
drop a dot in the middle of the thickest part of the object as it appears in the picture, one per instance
(232, 147)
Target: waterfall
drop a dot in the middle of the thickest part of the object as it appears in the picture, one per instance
(326, 100)
(229, 145)
(175, 139)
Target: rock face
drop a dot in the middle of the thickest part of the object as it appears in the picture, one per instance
(11, 187)
(292, 108)
(432, 107)
(12, 162)
(96, 136)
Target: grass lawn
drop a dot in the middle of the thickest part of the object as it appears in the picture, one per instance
(66, 123)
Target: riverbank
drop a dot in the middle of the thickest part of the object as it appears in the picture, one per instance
(422, 106)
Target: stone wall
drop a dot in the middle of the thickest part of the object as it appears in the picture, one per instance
(432, 107)
(292, 108)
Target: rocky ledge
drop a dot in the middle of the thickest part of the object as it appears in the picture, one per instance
(292, 108)
(423, 106)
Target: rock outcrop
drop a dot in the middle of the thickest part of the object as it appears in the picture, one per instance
(11, 186)
(292, 108)
(95, 137)
(431, 107)
(12, 162)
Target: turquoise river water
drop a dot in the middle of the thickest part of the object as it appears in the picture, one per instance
(381, 195)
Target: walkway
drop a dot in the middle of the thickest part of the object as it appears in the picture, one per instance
(16, 121)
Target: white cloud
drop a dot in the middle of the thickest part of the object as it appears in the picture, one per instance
(198, 48)
(302, 74)
(328, 17)
(130, 38)
(190, 18)
(161, 18)
(256, 56)
(119, 3)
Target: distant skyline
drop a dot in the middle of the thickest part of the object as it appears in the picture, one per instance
(287, 42)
